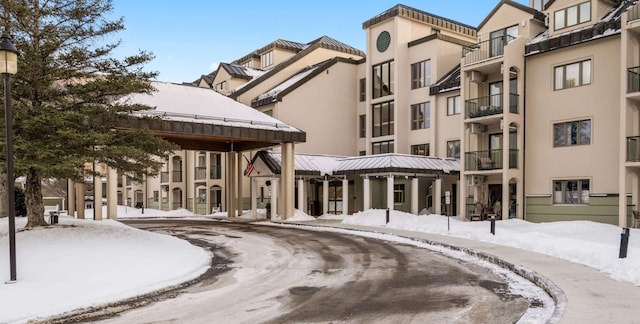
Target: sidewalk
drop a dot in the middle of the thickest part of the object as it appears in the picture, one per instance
(583, 294)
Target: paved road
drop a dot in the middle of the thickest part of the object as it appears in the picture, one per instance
(263, 274)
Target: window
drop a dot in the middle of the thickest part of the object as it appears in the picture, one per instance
(382, 120)
(420, 74)
(383, 79)
(453, 105)
(420, 116)
(363, 90)
(398, 193)
(362, 153)
(266, 59)
(453, 149)
(382, 147)
(572, 75)
(500, 38)
(363, 125)
(578, 14)
(420, 149)
(202, 196)
(156, 195)
(572, 133)
(575, 192)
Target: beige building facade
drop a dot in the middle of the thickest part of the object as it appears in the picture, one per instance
(539, 103)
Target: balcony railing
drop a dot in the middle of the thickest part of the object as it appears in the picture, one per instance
(485, 50)
(164, 176)
(633, 79)
(633, 12)
(491, 105)
(176, 176)
(201, 173)
(215, 172)
(489, 160)
(633, 149)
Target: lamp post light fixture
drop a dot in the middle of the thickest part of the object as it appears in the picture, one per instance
(8, 68)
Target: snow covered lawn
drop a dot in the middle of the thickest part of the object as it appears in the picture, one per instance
(80, 263)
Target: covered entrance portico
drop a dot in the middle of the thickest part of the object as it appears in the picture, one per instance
(201, 119)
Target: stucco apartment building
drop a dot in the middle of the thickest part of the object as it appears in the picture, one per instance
(539, 103)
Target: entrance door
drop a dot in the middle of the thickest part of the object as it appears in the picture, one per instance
(495, 200)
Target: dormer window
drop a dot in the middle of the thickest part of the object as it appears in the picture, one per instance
(266, 59)
(571, 16)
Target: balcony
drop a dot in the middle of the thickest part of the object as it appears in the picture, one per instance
(486, 50)
(164, 177)
(489, 160)
(633, 79)
(215, 172)
(176, 176)
(491, 105)
(633, 12)
(633, 149)
(201, 173)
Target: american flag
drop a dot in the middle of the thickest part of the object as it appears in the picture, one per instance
(249, 169)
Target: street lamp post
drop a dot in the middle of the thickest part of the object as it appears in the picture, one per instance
(8, 68)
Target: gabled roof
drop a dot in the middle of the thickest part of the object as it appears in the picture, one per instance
(199, 118)
(279, 43)
(322, 42)
(397, 163)
(305, 164)
(320, 165)
(536, 14)
(449, 82)
(241, 72)
(416, 14)
(284, 88)
(610, 24)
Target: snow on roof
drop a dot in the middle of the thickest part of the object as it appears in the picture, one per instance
(398, 162)
(187, 103)
(324, 164)
(331, 165)
(286, 84)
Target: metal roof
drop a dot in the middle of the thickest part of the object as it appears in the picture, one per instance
(200, 118)
(319, 165)
(397, 163)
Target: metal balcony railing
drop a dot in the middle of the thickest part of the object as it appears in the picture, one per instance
(633, 12)
(633, 79)
(176, 176)
(491, 105)
(201, 173)
(489, 160)
(215, 172)
(485, 50)
(164, 176)
(633, 149)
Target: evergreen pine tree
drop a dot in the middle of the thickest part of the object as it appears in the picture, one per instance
(66, 95)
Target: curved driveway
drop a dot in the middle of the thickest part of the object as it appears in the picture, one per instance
(284, 275)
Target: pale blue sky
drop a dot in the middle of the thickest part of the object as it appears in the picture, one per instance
(190, 37)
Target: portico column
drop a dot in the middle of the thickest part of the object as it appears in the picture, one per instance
(325, 195)
(288, 178)
(71, 192)
(254, 197)
(345, 196)
(437, 196)
(112, 193)
(390, 192)
(80, 199)
(414, 196)
(274, 198)
(239, 183)
(97, 197)
(230, 190)
(301, 196)
(366, 193)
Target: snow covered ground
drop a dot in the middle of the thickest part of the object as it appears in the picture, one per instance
(80, 263)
